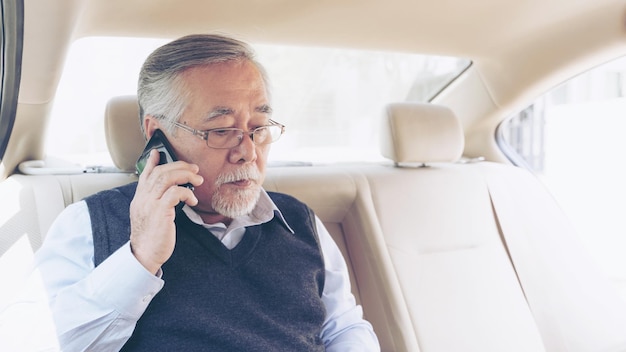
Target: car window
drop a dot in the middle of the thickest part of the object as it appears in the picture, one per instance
(11, 35)
(330, 99)
(573, 139)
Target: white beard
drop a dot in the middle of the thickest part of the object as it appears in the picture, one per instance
(235, 203)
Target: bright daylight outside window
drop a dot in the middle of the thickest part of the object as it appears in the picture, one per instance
(331, 100)
(573, 139)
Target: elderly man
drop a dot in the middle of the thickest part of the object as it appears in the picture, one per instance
(236, 268)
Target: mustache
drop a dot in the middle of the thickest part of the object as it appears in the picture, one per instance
(243, 173)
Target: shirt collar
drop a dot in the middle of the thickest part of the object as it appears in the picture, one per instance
(264, 211)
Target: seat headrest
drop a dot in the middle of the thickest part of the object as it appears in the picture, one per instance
(123, 131)
(421, 133)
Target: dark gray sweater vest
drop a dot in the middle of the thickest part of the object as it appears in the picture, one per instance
(263, 295)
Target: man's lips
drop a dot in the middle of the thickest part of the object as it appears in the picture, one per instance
(241, 183)
(245, 177)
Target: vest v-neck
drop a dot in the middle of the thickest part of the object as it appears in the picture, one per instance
(187, 230)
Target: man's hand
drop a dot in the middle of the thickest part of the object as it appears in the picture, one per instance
(153, 232)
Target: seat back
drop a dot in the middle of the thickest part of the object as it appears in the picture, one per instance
(453, 275)
(482, 255)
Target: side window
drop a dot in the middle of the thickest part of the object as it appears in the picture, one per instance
(573, 138)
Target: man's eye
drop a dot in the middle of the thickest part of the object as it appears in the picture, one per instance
(221, 133)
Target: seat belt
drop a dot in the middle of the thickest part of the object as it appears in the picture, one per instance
(575, 307)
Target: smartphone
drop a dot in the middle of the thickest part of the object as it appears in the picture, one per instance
(159, 142)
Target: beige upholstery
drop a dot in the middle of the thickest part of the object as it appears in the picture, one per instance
(481, 251)
(449, 257)
(451, 273)
(421, 133)
(452, 278)
(123, 131)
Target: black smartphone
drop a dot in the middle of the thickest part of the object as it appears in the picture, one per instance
(159, 142)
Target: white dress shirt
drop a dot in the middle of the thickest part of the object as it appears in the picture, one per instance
(96, 308)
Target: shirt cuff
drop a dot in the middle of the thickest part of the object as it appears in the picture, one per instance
(124, 283)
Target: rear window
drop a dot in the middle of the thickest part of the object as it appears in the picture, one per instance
(331, 100)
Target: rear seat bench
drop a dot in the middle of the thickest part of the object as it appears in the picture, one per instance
(482, 257)
(439, 256)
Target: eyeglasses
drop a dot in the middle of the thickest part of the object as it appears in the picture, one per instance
(225, 138)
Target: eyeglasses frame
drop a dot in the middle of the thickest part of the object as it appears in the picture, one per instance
(204, 134)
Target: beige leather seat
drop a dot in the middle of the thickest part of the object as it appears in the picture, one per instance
(484, 260)
(443, 255)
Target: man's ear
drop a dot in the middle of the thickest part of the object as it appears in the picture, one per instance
(150, 124)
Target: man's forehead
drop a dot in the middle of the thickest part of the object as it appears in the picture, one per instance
(222, 111)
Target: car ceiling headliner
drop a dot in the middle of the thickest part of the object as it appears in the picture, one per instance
(546, 34)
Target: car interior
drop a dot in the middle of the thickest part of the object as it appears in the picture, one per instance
(451, 245)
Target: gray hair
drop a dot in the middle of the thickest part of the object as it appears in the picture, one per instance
(160, 90)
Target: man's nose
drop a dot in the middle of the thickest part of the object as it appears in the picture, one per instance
(245, 151)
